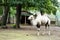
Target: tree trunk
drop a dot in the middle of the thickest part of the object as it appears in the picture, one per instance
(5, 15)
(8, 18)
(18, 13)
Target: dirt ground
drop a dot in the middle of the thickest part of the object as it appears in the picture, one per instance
(29, 33)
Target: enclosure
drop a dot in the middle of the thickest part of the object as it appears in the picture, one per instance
(14, 23)
(29, 33)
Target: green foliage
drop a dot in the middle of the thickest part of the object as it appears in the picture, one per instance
(42, 5)
(12, 25)
(0, 1)
(55, 2)
(47, 6)
(12, 11)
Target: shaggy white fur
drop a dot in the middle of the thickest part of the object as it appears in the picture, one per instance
(39, 18)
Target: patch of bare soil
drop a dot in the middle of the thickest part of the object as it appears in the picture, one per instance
(29, 33)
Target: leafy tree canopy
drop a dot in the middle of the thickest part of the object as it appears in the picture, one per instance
(42, 5)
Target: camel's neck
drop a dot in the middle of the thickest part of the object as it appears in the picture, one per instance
(33, 22)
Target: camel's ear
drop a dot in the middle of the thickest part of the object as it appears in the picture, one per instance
(35, 15)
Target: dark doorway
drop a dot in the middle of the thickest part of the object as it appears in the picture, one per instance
(23, 20)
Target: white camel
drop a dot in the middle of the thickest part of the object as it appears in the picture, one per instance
(37, 19)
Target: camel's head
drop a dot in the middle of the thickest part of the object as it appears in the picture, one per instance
(31, 17)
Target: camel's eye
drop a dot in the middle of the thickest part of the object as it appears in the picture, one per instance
(31, 17)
